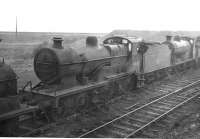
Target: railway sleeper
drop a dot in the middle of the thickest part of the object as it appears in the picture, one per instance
(133, 123)
(144, 116)
(150, 134)
(181, 97)
(174, 103)
(150, 112)
(137, 119)
(192, 93)
(175, 99)
(130, 124)
(188, 92)
(115, 132)
(162, 107)
(124, 126)
(158, 110)
(163, 104)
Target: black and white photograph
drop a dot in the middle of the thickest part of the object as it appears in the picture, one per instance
(100, 69)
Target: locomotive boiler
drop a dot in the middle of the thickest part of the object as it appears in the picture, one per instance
(181, 48)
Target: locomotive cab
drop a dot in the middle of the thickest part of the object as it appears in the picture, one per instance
(123, 44)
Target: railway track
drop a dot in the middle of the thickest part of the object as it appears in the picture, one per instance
(167, 126)
(125, 105)
(138, 119)
(121, 105)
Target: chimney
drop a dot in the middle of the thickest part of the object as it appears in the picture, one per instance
(91, 41)
(57, 42)
(168, 38)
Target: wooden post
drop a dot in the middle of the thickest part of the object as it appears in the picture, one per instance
(16, 27)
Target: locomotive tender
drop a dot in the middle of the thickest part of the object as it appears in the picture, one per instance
(73, 78)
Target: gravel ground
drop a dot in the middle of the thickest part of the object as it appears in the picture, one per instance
(186, 124)
(189, 125)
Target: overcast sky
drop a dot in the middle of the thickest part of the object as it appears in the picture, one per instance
(99, 15)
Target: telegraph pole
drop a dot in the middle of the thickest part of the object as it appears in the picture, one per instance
(16, 27)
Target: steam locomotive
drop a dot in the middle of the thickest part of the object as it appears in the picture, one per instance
(8, 97)
(74, 78)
